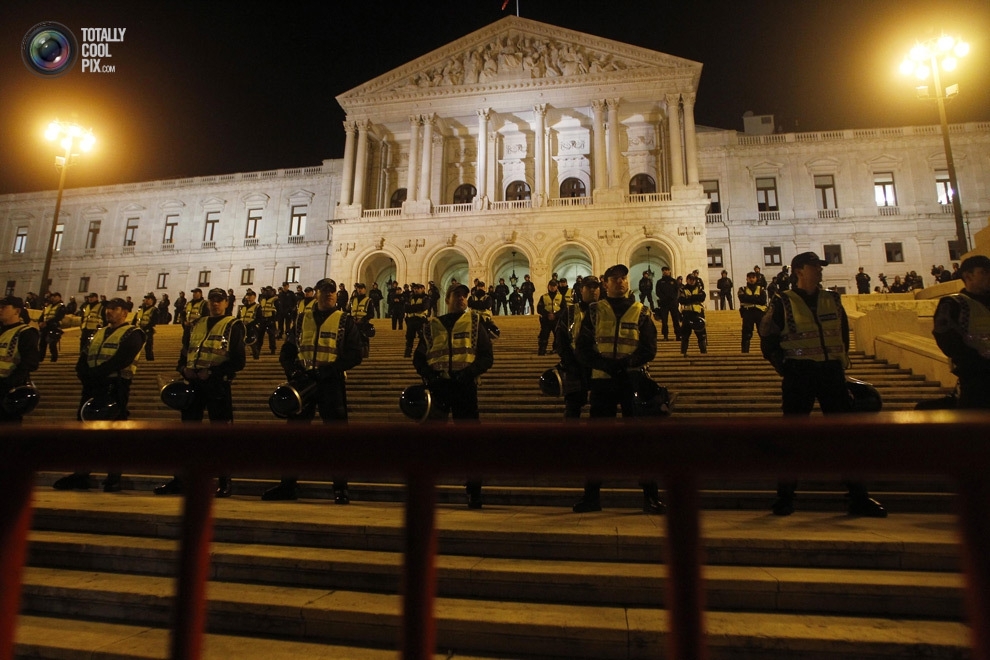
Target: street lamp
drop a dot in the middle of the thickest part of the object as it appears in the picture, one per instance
(930, 58)
(73, 136)
(512, 278)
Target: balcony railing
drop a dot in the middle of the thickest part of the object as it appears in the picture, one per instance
(166, 247)
(569, 201)
(128, 249)
(250, 242)
(514, 204)
(827, 214)
(945, 209)
(647, 198)
(768, 216)
(713, 218)
(453, 208)
(296, 239)
(209, 245)
(889, 210)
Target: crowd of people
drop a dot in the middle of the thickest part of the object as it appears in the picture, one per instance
(604, 336)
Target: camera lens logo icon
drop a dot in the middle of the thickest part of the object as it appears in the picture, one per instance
(49, 49)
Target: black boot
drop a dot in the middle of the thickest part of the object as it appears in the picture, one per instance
(287, 489)
(112, 483)
(223, 487)
(784, 504)
(651, 499)
(591, 500)
(74, 481)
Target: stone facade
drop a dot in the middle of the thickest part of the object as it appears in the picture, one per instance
(520, 148)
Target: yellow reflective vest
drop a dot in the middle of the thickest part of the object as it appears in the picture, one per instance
(10, 357)
(812, 336)
(318, 345)
(195, 310)
(268, 306)
(974, 321)
(50, 312)
(247, 312)
(449, 352)
(615, 339)
(358, 307)
(144, 316)
(104, 346)
(92, 316)
(692, 307)
(208, 348)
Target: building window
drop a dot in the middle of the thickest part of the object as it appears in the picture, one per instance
(292, 274)
(297, 222)
(573, 187)
(59, 233)
(642, 184)
(465, 194)
(943, 188)
(883, 189)
(955, 254)
(714, 201)
(93, 234)
(171, 222)
(247, 276)
(517, 191)
(771, 256)
(212, 221)
(130, 232)
(20, 240)
(204, 278)
(825, 192)
(162, 281)
(397, 198)
(122, 283)
(833, 254)
(895, 252)
(715, 257)
(10, 288)
(83, 285)
(253, 218)
(766, 194)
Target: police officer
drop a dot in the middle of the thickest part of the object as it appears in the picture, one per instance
(248, 315)
(308, 298)
(210, 358)
(752, 307)
(668, 291)
(286, 310)
(50, 325)
(501, 297)
(106, 369)
(416, 309)
(577, 377)
(194, 309)
(617, 339)
(266, 318)
(527, 290)
(548, 308)
(91, 313)
(329, 344)
(962, 331)
(146, 319)
(805, 336)
(692, 300)
(454, 350)
(362, 311)
(19, 353)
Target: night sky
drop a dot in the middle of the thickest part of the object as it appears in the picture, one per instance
(220, 87)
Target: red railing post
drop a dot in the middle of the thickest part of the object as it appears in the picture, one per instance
(15, 522)
(974, 500)
(194, 566)
(685, 592)
(419, 580)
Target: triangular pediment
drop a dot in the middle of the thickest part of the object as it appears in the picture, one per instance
(515, 53)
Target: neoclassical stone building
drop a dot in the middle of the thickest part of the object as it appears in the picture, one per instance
(520, 148)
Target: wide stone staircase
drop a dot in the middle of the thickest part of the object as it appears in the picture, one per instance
(521, 578)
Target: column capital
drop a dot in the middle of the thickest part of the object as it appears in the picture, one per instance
(429, 119)
(689, 98)
(415, 120)
(613, 104)
(484, 113)
(350, 126)
(540, 109)
(598, 105)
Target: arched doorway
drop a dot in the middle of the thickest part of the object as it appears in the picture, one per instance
(379, 269)
(449, 265)
(572, 261)
(511, 265)
(647, 258)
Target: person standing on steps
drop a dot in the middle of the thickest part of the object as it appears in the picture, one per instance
(805, 336)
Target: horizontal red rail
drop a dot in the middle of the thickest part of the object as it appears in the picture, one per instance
(679, 451)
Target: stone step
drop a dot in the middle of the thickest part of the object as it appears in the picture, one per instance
(521, 582)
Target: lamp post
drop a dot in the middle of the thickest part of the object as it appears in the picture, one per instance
(512, 278)
(930, 58)
(72, 136)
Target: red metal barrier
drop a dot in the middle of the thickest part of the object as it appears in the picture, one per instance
(924, 443)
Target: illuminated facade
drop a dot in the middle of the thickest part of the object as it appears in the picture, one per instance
(520, 148)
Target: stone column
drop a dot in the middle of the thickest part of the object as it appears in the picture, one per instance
(484, 114)
(613, 144)
(426, 170)
(347, 178)
(413, 173)
(674, 124)
(598, 146)
(361, 162)
(690, 139)
(539, 147)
